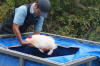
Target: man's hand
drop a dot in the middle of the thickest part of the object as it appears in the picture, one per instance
(18, 35)
(26, 43)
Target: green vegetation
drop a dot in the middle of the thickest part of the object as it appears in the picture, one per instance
(73, 18)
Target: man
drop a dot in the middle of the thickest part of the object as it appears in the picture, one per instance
(24, 16)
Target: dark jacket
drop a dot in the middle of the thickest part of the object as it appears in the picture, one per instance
(6, 27)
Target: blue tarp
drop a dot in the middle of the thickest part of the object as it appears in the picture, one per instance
(85, 49)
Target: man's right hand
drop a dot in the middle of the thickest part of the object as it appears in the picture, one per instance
(18, 35)
(26, 43)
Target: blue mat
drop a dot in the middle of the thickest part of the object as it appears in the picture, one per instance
(85, 49)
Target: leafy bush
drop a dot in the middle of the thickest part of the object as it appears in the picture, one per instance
(64, 18)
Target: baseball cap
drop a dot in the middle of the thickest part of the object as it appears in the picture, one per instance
(44, 6)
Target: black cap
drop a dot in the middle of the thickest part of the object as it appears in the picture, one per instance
(44, 6)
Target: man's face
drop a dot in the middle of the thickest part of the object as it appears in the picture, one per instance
(36, 9)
